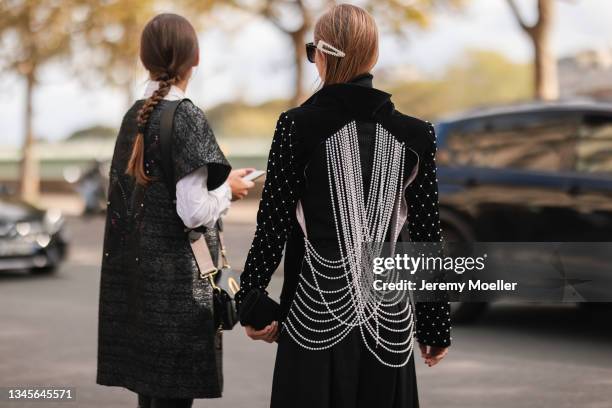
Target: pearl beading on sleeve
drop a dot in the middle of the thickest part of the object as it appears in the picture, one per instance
(276, 210)
(433, 318)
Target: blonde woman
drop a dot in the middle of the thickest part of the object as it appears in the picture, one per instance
(345, 168)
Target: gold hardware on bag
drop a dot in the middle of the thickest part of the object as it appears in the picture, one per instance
(212, 282)
(210, 275)
(224, 258)
(233, 285)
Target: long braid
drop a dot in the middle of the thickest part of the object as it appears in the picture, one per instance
(135, 167)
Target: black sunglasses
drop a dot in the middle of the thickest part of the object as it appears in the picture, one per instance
(311, 51)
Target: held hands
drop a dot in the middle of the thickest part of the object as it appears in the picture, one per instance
(269, 334)
(239, 187)
(432, 355)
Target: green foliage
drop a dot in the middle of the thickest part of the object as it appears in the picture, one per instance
(237, 119)
(113, 30)
(32, 32)
(94, 132)
(112, 40)
(479, 78)
(396, 15)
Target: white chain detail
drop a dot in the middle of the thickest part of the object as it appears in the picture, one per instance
(335, 296)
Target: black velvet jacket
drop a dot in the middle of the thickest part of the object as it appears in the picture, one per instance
(297, 172)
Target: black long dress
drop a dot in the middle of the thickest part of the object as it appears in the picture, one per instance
(156, 329)
(346, 375)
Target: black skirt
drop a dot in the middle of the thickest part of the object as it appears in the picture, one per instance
(346, 375)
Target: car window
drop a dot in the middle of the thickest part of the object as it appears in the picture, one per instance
(594, 146)
(533, 141)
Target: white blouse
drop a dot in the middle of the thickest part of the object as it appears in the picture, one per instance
(195, 204)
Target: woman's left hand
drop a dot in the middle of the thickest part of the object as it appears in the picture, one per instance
(432, 355)
(269, 334)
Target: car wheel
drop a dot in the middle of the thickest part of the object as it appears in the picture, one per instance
(47, 270)
(463, 312)
(596, 307)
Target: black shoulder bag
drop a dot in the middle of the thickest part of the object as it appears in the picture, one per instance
(224, 281)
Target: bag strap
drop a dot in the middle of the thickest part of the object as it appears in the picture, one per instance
(222, 245)
(165, 144)
(201, 251)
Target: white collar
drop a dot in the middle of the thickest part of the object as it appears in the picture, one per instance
(174, 94)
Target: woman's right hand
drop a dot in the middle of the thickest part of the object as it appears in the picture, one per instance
(268, 334)
(432, 355)
(239, 187)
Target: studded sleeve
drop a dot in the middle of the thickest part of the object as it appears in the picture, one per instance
(276, 214)
(432, 318)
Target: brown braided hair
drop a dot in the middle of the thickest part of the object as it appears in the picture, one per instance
(168, 50)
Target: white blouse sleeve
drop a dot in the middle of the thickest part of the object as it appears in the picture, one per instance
(196, 205)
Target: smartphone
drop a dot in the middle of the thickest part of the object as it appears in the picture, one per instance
(254, 175)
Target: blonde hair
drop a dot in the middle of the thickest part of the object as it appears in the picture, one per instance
(352, 30)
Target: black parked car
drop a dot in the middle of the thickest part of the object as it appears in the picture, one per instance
(30, 238)
(530, 173)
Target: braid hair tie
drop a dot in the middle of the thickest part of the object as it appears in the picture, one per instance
(163, 77)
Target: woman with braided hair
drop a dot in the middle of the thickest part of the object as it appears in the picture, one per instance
(157, 335)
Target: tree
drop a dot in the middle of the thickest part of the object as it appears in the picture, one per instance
(33, 33)
(295, 19)
(112, 34)
(545, 64)
(478, 78)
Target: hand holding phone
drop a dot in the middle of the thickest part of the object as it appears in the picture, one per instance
(254, 175)
(239, 184)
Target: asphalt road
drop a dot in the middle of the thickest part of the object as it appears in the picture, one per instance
(527, 356)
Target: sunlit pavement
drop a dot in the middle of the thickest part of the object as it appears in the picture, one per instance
(515, 357)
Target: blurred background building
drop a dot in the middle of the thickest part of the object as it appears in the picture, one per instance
(587, 74)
